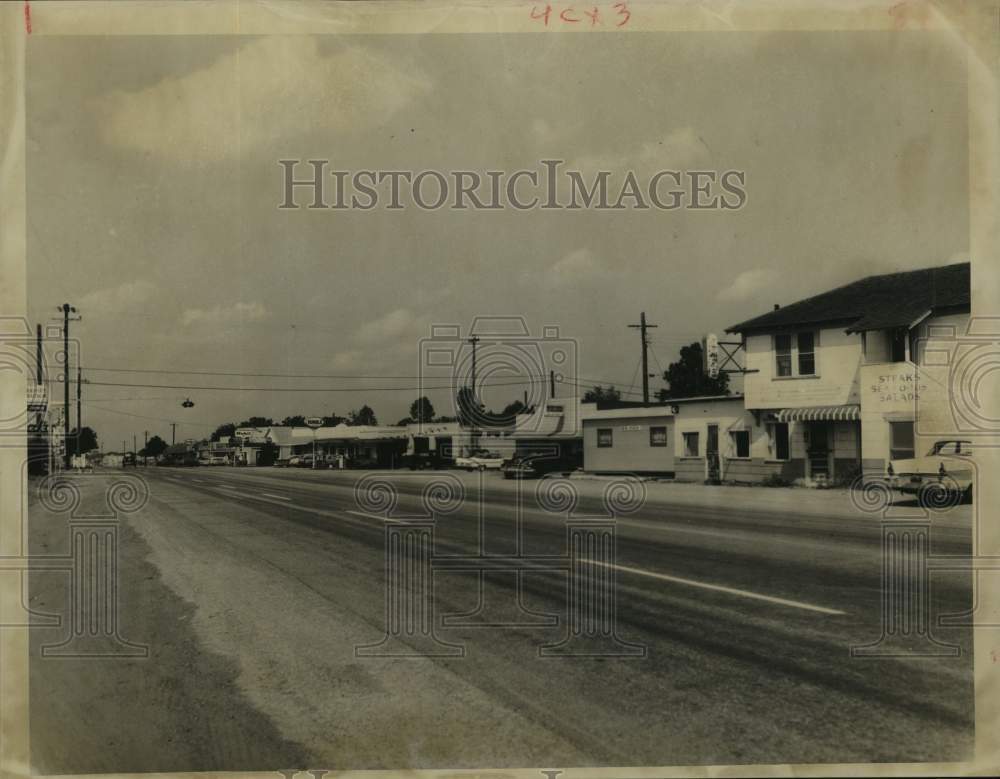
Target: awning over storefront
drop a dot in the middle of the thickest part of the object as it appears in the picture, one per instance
(820, 413)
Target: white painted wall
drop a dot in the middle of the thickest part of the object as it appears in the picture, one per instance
(838, 363)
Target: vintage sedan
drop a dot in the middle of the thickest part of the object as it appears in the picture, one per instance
(944, 474)
(480, 461)
(535, 467)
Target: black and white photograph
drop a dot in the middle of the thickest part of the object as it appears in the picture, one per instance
(522, 389)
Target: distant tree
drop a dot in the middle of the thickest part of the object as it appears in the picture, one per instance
(333, 420)
(686, 378)
(421, 410)
(225, 431)
(443, 419)
(362, 416)
(513, 409)
(470, 410)
(294, 421)
(82, 441)
(600, 394)
(154, 447)
(404, 422)
(256, 422)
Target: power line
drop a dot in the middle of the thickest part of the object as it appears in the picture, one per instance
(250, 374)
(195, 388)
(207, 425)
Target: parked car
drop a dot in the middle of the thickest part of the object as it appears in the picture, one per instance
(533, 467)
(294, 460)
(306, 461)
(945, 472)
(424, 460)
(480, 461)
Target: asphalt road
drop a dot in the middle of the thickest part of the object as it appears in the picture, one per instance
(254, 587)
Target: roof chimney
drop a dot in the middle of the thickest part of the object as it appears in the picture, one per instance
(776, 306)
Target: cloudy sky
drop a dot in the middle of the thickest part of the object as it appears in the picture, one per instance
(153, 186)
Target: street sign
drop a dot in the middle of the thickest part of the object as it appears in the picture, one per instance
(314, 422)
(710, 355)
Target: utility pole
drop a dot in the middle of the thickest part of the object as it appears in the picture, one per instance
(66, 309)
(173, 433)
(40, 381)
(473, 438)
(79, 413)
(145, 445)
(135, 458)
(474, 340)
(643, 327)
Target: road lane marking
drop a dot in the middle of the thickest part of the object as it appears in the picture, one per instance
(272, 495)
(365, 515)
(624, 568)
(719, 588)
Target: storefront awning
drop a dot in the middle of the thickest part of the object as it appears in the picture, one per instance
(820, 413)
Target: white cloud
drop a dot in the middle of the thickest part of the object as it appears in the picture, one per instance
(270, 88)
(747, 285)
(127, 296)
(224, 316)
(679, 149)
(397, 323)
(579, 267)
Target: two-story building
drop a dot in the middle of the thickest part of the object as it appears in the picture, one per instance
(838, 380)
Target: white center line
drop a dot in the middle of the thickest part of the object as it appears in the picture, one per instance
(272, 495)
(719, 588)
(365, 515)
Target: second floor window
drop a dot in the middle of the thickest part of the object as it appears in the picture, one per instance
(795, 354)
(657, 436)
(605, 438)
(783, 354)
(807, 354)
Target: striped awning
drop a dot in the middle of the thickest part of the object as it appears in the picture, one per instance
(820, 413)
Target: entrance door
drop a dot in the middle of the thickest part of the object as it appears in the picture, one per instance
(818, 451)
(712, 454)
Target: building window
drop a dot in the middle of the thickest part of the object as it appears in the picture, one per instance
(807, 354)
(897, 347)
(778, 432)
(901, 440)
(690, 444)
(741, 442)
(657, 436)
(783, 354)
(604, 437)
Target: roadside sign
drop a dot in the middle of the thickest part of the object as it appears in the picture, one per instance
(710, 355)
(314, 422)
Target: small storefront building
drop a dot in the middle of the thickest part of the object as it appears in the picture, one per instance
(628, 438)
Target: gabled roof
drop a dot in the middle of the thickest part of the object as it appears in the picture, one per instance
(874, 302)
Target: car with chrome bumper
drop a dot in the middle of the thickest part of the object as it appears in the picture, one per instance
(944, 475)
